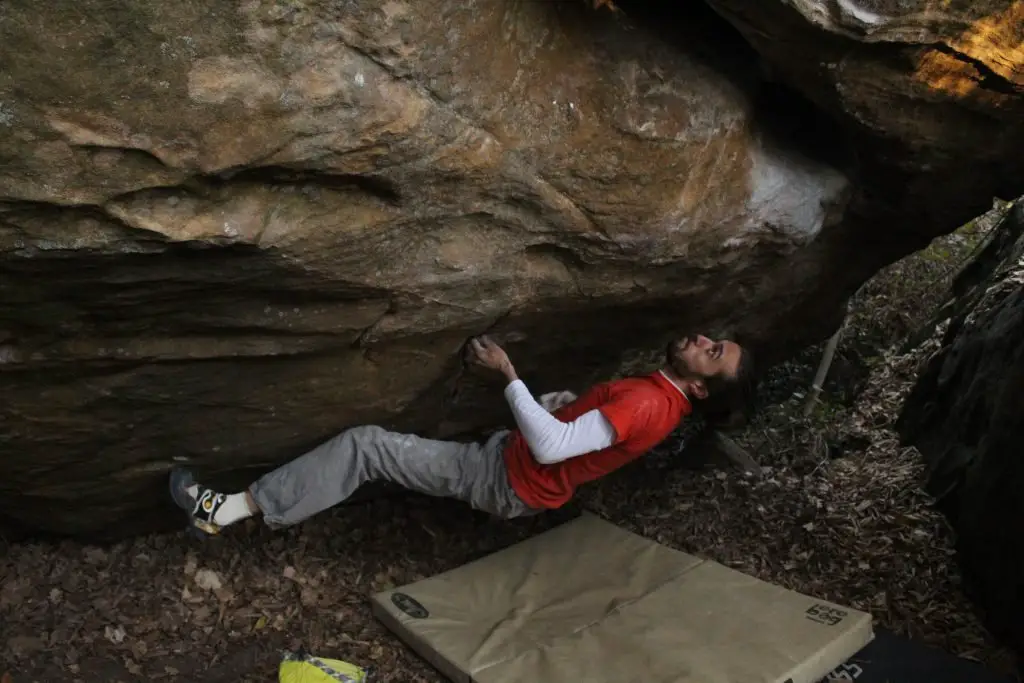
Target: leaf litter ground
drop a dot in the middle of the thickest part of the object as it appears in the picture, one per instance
(837, 513)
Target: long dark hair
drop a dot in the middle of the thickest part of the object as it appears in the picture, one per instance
(731, 399)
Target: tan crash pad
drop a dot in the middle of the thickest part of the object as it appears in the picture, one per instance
(588, 602)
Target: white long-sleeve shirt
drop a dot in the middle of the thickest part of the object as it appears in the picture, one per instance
(551, 440)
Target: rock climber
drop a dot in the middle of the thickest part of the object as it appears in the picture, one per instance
(561, 442)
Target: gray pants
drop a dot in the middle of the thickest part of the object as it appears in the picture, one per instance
(330, 473)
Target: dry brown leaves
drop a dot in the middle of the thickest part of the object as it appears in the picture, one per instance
(172, 608)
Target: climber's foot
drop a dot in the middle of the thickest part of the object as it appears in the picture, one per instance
(198, 502)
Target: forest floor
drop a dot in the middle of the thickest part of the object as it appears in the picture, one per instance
(837, 513)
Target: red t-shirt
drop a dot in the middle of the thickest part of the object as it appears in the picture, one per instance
(642, 410)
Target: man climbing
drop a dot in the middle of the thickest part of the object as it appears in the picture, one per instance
(513, 473)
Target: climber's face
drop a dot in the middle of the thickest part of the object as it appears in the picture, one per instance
(697, 359)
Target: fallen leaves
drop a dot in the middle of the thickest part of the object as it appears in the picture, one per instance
(23, 646)
(208, 580)
(95, 556)
(114, 634)
(14, 591)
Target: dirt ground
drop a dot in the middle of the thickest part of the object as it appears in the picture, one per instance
(837, 512)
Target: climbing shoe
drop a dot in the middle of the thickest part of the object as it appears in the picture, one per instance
(198, 502)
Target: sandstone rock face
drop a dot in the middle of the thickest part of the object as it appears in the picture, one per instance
(964, 415)
(931, 90)
(229, 231)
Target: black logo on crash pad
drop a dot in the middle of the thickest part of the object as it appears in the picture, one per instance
(409, 605)
(825, 614)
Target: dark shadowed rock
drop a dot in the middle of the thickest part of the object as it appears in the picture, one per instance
(964, 415)
(931, 90)
(228, 231)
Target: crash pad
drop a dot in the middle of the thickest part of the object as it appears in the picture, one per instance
(590, 601)
(892, 658)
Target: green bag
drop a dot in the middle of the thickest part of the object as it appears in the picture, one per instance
(302, 667)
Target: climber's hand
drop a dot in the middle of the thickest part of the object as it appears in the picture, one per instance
(484, 353)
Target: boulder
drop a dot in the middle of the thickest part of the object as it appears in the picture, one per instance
(964, 416)
(228, 231)
(931, 92)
